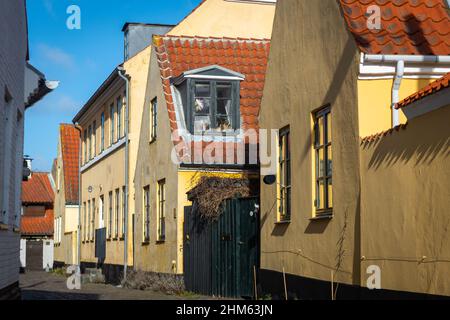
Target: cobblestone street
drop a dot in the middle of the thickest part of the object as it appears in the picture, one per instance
(48, 286)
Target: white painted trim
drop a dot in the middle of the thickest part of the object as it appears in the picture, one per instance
(386, 69)
(184, 132)
(104, 154)
(213, 77)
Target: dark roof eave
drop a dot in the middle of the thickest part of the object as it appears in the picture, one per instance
(113, 76)
(125, 26)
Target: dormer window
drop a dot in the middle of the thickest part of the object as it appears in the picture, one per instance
(215, 106)
(210, 98)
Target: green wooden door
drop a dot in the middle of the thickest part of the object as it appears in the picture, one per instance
(235, 249)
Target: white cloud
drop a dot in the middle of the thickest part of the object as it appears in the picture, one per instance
(57, 56)
(48, 5)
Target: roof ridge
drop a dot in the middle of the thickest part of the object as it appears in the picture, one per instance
(212, 38)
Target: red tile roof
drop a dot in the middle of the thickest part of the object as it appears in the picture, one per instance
(70, 146)
(37, 225)
(430, 89)
(249, 57)
(246, 56)
(410, 27)
(38, 189)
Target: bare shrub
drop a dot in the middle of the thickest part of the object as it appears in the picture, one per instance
(210, 193)
(158, 282)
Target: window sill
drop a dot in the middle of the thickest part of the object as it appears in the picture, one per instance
(323, 216)
(152, 141)
(162, 241)
(145, 243)
(286, 222)
(4, 227)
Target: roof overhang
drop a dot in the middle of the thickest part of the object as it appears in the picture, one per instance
(36, 86)
(427, 104)
(372, 67)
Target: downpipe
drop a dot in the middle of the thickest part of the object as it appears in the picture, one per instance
(127, 110)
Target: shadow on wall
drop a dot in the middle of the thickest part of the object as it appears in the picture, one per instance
(421, 140)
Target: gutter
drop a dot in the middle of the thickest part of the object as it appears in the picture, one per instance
(127, 151)
(394, 58)
(400, 61)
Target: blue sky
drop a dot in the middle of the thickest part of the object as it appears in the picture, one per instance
(80, 59)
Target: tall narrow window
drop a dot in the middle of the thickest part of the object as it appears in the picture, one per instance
(284, 176)
(124, 209)
(85, 146)
(93, 221)
(110, 215)
(323, 162)
(153, 119)
(119, 117)
(101, 213)
(161, 210)
(112, 124)
(88, 221)
(146, 210)
(90, 142)
(102, 132)
(117, 214)
(84, 219)
(94, 138)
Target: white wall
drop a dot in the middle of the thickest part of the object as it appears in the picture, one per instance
(47, 254)
(23, 253)
(13, 50)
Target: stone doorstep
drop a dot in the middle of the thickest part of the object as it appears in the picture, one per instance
(92, 275)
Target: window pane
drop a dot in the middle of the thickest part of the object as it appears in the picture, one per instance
(224, 91)
(202, 90)
(329, 162)
(288, 203)
(202, 106)
(224, 107)
(321, 158)
(329, 127)
(223, 123)
(330, 193)
(321, 195)
(321, 130)
(202, 123)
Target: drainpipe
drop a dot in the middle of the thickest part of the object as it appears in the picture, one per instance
(400, 70)
(78, 127)
(127, 110)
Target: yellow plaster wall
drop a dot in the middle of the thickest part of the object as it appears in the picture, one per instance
(374, 101)
(405, 183)
(213, 18)
(218, 18)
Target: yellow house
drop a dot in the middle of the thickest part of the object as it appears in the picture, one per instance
(65, 174)
(161, 181)
(110, 122)
(333, 77)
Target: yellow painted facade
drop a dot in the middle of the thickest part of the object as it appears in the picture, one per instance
(103, 173)
(65, 252)
(390, 197)
(405, 181)
(222, 18)
(374, 103)
(213, 18)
